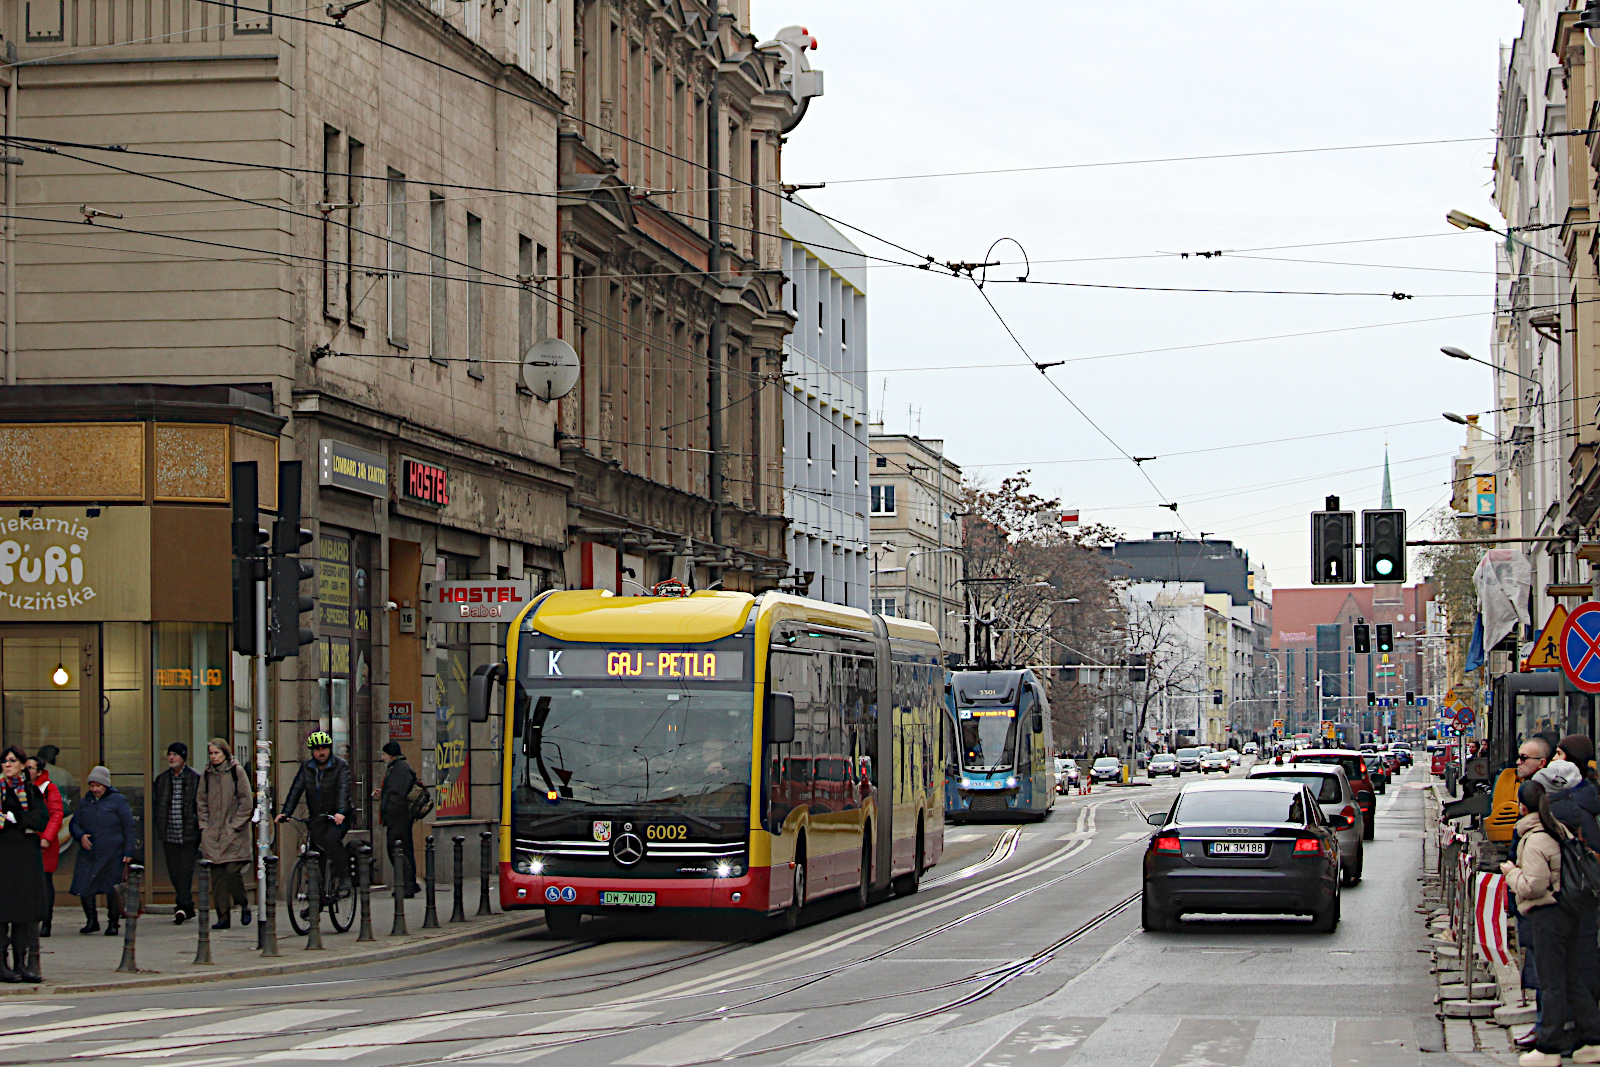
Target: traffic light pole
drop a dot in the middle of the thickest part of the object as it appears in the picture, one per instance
(263, 756)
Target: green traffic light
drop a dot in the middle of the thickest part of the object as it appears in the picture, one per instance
(1384, 566)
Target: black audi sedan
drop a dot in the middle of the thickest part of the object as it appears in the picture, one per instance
(1256, 846)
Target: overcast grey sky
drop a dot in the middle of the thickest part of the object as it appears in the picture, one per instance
(936, 85)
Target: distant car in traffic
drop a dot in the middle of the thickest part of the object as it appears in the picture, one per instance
(1243, 846)
(1164, 763)
(1106, 768)
(1188, 759)
(1234, 758)
(1355, 769)
(1214, 761)
(1328, 783)
(1066, 774)
(1251, 748)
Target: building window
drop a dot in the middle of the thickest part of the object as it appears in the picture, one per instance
(438, 292)
(524, 300)
(883, 605)
(333, 230)
(883, 500)
(395, 259)
(474, 295)
(833, 458)
(808, 446)
(880, 461)
(357, 285)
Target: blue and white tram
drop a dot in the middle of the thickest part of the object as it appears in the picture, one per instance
(1006, 760)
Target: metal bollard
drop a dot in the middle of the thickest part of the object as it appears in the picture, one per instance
(485, 866)
(314, 892)
(269, 921)
(458, 914)
(395, 865)
(364, 862)
(202, 949)
(130, 918)
(430, 917)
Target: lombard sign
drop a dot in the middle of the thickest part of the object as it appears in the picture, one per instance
(489, 600)
(354, 469)
(62, 565)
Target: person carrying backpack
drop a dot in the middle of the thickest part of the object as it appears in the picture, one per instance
(1534, 878)
(397, 813)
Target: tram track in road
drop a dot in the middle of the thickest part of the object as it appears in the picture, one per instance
(1005, 848)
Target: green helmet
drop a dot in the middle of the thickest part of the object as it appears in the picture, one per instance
(318, 739)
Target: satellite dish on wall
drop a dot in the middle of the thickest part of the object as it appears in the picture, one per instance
(550, 369)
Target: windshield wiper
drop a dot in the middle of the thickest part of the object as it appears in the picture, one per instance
(535, 740)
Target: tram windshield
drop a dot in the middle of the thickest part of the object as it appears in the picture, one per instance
(671, 747)
(988, 738)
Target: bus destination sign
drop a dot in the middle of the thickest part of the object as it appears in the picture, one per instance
(646, 664)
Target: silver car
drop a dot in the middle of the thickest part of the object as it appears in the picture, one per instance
(1331, 787)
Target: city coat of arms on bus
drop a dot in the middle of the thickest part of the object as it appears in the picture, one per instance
(602, 831)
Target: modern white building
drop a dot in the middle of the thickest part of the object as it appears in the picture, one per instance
(824, 408)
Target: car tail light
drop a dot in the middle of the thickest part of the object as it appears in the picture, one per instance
(1307, 844)
(1168, 844)
(1349, 812)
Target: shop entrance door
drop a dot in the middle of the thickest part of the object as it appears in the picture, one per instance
(50, 699)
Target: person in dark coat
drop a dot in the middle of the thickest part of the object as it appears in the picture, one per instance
(177, 825)
(394, 811)
(103, 829)
(328, 785)
(22, 816)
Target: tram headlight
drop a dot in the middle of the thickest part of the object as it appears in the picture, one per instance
(1011, 782)
(969, 783)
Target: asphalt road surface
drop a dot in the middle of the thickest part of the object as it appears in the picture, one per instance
(1022, 950)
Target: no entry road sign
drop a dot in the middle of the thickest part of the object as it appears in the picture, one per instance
(1580, 648)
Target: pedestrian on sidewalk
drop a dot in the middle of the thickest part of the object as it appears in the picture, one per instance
(1535, 880)
(1575, 801)
(394, 811)
(177, 824)
(50, 838)
(22, 816)
(103, 828)
(226, 806)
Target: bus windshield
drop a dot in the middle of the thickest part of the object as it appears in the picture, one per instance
(988, 738)
(671, 747)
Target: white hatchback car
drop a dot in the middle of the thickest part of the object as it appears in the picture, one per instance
(1214, 761)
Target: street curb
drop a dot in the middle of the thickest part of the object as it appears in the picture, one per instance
(521, 924)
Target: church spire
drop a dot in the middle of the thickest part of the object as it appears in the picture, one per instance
(1388, 491)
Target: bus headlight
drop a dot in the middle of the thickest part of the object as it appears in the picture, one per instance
(724, 870)
(527, 863)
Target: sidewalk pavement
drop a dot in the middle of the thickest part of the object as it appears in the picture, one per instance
(86, 963)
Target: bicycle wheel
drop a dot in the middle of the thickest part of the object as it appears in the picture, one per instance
(340, 900)
(297, 903)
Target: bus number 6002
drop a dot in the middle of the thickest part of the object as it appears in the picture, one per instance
(666, 833)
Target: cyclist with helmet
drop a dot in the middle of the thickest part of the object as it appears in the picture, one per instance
(327, 783)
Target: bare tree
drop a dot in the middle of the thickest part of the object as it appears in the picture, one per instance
(1174, 670)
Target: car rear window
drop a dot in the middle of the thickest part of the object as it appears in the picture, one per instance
(1325, 787)
(1188, 753)
(1243, 805)
(1354, 766)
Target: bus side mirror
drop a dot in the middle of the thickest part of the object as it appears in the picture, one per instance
(779, 726)
(480, 690)
(1038, 722)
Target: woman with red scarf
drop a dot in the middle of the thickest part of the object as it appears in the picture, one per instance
(23, 816)
(50, 839)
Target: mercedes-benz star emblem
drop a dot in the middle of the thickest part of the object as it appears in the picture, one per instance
(627, 849)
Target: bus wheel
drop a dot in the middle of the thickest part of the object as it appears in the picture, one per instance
(908, 884)
(563, 922)
(791, 914)
(858, 902)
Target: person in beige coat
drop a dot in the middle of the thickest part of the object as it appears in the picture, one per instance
(225, 807)
(1534, 878)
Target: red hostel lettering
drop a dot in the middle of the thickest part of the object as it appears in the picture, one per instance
(427, 483)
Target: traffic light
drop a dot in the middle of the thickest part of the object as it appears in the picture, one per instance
(1136, 666)
(286, 603)
(1383, 546)
(1363, 634)
(1372, 699)
(249, 543)
(1411, 699)
(1333, 538)
(1385, 637)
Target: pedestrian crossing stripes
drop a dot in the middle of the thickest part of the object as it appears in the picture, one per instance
(873, 1047)
(557, 1035)
(66, 1030)
(709, 1041)
(181, 1041)
(347, 1045)
(21, 1011)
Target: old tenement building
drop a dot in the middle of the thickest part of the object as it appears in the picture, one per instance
(671, 277)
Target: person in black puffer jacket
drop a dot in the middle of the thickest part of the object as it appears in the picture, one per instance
(1575, 800)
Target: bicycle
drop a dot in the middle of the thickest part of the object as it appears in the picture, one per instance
(338, 896)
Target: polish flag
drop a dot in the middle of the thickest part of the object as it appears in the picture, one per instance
(1490, 905)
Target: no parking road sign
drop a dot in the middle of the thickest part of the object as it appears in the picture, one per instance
(1580, 648)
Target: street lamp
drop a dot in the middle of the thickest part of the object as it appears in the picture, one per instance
(1456, 353)
(1462, 221)
(1460, 420)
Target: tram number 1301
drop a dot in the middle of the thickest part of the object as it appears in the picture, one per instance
(666, 833)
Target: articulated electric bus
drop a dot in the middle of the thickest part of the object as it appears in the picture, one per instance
(715, 750)
(1007, 761)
